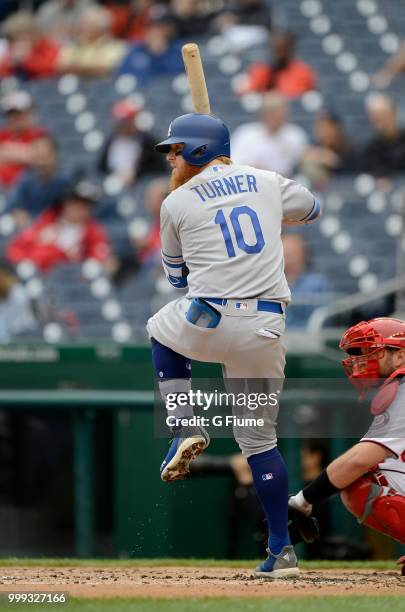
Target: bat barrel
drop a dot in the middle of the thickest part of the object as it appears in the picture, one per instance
(196, 78)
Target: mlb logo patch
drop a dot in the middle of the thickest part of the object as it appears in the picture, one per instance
(218, 168)
(268, 476)
(241, 306)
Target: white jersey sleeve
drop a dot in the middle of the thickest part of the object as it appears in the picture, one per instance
(299, 204)
(172, 257)
(395, 445)
(388, 430)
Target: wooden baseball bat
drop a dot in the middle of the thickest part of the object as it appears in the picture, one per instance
(196, 78)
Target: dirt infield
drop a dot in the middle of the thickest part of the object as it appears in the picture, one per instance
(197, 582)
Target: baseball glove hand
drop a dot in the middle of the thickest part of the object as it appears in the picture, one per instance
(302, 528)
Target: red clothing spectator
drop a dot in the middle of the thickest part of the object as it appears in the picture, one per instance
(39, 62)
(29, 55)
(65, 234)
(10, 172)
(284, 74)
(45, 245)
(16, 135)
(292, 81)
(130, 22)
(138, 25)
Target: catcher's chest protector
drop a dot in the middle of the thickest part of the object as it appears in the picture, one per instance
(376, 506)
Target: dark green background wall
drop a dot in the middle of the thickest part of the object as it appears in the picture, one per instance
(149, 518)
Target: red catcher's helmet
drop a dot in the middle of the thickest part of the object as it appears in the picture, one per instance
(365, 343)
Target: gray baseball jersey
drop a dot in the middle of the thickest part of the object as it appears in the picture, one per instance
(224, 226)
(220, 234)
(385, 430)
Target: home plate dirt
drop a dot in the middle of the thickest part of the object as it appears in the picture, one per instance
(197, 582)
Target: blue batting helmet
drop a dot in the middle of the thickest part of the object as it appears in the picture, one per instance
(205, 137)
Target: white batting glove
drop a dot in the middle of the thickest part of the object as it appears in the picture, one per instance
(298, 502)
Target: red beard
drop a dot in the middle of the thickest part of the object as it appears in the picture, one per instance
(179, 178)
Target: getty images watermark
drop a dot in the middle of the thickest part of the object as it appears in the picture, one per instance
(302, 408)
(206, 400)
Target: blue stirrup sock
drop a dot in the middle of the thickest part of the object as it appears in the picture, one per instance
(270, 477)
(173, 372)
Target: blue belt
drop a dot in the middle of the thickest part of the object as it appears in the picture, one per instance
(263, 305)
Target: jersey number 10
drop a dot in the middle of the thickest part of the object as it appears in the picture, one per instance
(234, 219)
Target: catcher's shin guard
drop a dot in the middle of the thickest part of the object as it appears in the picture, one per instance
(376, 506)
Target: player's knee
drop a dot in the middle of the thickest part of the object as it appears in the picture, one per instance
(358, 495)
(347, 499)
(169, 364)
(381, 510)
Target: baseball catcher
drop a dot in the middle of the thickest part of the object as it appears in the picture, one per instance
(370, 476)
(220, 234)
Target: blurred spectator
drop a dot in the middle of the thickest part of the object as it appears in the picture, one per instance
(331, 152)
(145, 239)
(308, 289)
(41, 186)
(285, 74)
(148, 246)
(66, 233)
(61, 16)
(244, 23)
(130, 19)
(94, 52)
(17, 134)
(272, 143)
(159, 54)
(392, 68)
(191, 18)
(129, 152)
(384, 154)
(314, 459)
(16, 315)
(29, 55)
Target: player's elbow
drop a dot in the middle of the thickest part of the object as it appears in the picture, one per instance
(314, 213)
(310, 215)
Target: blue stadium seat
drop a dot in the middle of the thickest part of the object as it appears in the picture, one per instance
(67, 287)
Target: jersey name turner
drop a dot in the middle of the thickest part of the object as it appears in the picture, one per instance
(227, 186)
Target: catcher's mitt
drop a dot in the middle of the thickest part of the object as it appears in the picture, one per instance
(302, 528)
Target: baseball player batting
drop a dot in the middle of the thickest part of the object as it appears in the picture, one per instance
(220, 235)
(370, 476)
